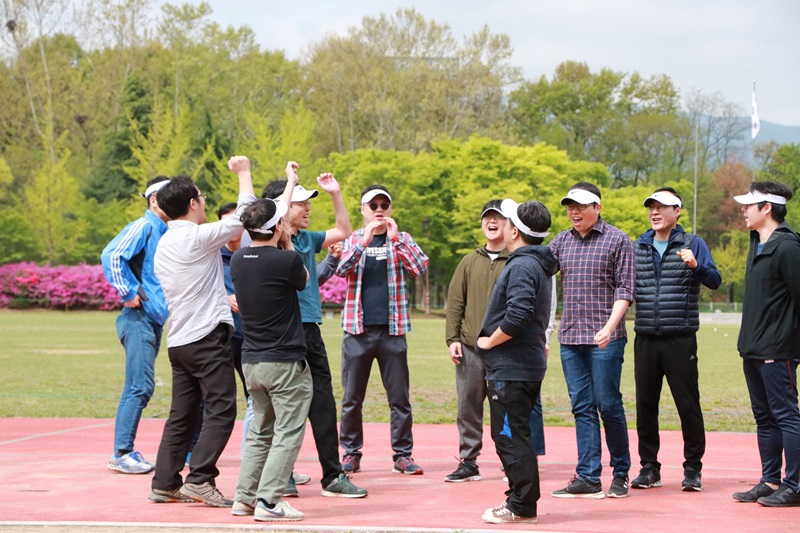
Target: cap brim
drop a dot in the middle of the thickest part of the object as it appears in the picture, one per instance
(508, 208)
(373, 193)
(301, 194)
(746, 199)
(496, 210)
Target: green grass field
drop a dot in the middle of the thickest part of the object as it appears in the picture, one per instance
(70, 364)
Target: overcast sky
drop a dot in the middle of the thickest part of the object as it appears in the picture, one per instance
(712, 45)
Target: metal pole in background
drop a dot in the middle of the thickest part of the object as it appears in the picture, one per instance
(696, 143)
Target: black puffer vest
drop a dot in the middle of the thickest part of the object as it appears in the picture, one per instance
(667, 295)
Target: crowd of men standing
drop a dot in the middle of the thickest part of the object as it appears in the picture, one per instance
(168, 268)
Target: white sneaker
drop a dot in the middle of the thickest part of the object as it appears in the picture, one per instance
(300, 479)
(242, 509)
(130, 463)
(281, 512)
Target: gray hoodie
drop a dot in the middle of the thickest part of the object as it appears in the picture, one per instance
(520, 306)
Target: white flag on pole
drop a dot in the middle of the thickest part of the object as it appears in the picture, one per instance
(756, 122)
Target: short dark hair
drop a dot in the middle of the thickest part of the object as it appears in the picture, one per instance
(586, 186)
(274, 189)
(374, 188)
(174, 197)
(778, 189)
(157, 179)
(536, 216)
(256, 215)
(224, 209)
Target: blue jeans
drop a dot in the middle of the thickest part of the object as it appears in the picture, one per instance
(593, 377)
(141, 338)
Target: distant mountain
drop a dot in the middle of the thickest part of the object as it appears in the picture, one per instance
(775, 132)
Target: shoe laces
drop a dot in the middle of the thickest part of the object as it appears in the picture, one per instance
(349, 459)
(500, 507)
(136, 456)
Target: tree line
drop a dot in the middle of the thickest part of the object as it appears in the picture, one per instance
(100, 96)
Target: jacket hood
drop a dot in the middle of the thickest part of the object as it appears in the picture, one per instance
(541, 254)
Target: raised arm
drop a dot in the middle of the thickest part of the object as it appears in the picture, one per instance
(343, 229)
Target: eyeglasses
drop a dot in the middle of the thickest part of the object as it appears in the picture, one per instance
(202, 195)
(658, 208)
(580, 208)
(304, 203)
(383, 205)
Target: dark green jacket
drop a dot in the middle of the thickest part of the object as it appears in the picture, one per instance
(468, 295)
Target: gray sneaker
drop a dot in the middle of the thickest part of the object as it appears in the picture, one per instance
(206, 493)
(282, 512)
(342, 487)
(169, 496)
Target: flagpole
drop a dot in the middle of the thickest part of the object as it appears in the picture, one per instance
(755, 128)
(696, 141)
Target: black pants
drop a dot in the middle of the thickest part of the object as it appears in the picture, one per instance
(510, 407)
(202, 370)
(322, 413)
(673, 357)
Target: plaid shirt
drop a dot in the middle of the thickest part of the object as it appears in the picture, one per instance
(596, 271)
(402, 256)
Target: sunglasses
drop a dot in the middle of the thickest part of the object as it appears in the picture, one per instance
(383, 205)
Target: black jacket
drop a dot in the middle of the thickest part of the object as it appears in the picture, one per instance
(771, 310)
(520, 306)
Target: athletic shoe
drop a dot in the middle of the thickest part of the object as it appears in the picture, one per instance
(300, 479)
(282, 512)
(467, 471)
(692, 481)
(578, 488)
(649, 477)
(242, 509)
(169, 496)
(351, 464)
(206, 493)
(619, 487)
(342, 487)
(130, 463)
(754, 494)
(406, 465)
(492, 509)
(783, 497)
(291, 488)
(503, 515)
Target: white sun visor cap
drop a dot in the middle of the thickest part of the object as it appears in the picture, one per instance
(269, 226)
(154, 188)
(301, 194)
(755, 197)
(579, 196)
(509, 208)
(664, 198)
(369, 195)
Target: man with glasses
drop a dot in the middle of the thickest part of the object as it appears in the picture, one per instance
(189, 266)
(322, 413)
(671, 266)
(375, 261)
(597, 274)
(768, 341)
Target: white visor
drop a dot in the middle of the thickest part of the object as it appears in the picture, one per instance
(268, 228)
(509, 209)
(755, 197)
(154, 188)
(369, 195)
(664, 198)
(579, 196)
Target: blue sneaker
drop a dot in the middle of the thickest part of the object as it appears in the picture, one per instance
(130, 463)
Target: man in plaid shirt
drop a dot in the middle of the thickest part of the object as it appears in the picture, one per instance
(375, 261)
(598, 277)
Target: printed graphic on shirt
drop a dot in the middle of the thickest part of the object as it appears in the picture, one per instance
(377, 253)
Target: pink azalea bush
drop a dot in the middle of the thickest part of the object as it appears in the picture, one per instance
(56, 287)
(333, 292)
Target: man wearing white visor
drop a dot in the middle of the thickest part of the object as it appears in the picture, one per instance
(128, 267)
(511, 345)
(598, 276)
(671, 266)
(376, 261)
(768, 342)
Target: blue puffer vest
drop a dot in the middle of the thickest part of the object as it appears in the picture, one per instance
(667, 295)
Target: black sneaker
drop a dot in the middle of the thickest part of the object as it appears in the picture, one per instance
(467, 471)
(351, 464)
(783, 497)
(619, 487)
(578, 488)
(649, 476)
(753, 495)
(691, 481)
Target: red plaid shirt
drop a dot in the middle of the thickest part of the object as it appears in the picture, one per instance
(402, 256)
(596, 271)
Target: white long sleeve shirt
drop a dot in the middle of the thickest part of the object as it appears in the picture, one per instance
(189, 266)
